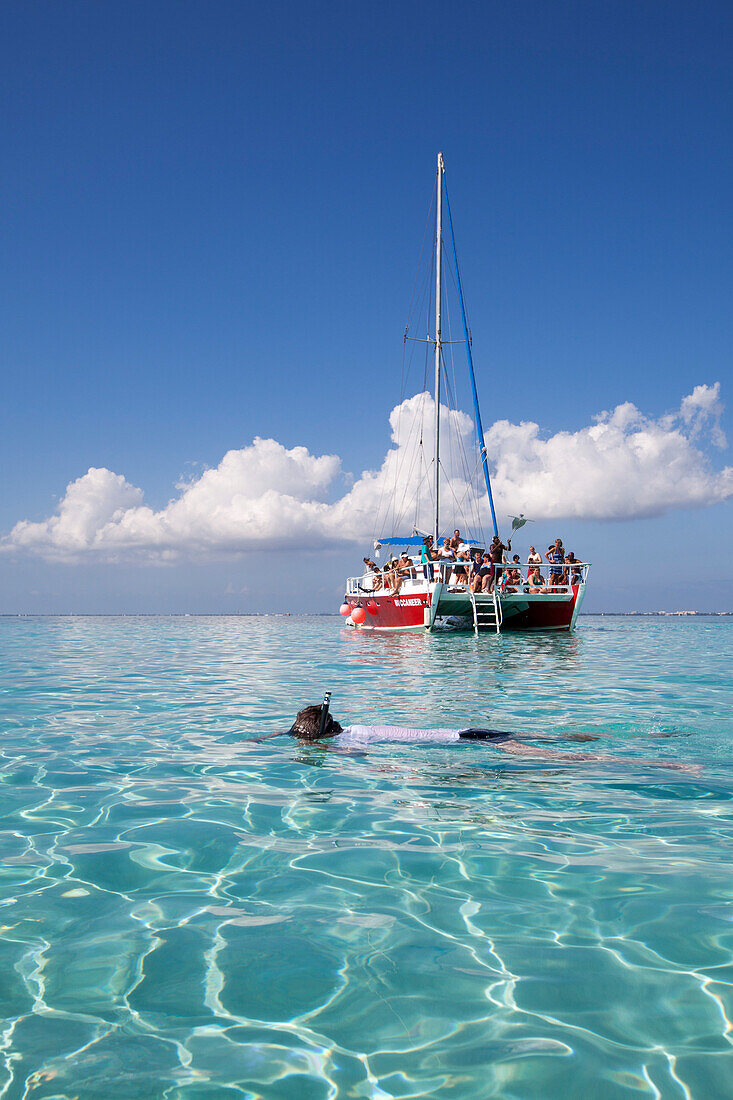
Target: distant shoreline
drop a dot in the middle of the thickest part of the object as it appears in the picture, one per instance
(316, 614)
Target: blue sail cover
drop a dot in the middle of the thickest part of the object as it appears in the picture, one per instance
(394, 540)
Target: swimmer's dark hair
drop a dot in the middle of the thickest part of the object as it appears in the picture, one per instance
(307, 725)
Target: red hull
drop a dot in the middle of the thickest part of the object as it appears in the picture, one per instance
(392, 612)
(412, 612)
(546, 614)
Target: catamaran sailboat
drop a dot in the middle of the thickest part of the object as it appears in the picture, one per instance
(427, 595)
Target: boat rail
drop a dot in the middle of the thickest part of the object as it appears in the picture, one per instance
(557, 578)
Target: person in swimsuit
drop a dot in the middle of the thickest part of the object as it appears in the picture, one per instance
(482, 575)
(459, 575)
(402, 569)
(556, 555)
(307, 724)
(536, 580)
(513, 576)
(307, 728)
(475, 566)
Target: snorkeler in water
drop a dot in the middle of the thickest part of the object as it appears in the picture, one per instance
(316, 724)
(308, 726)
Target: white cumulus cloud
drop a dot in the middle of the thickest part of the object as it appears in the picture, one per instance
(264, 496)
(624, 466)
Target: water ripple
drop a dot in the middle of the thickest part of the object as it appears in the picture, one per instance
(188, 916)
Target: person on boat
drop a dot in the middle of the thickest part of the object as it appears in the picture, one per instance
(459, 576)
(372, 575)
(496, 555)
(426, 557)
(556, 555)
(387, 574)
(446, 554)
(513, 576)
(482, 575)
(372, 566)
(307, 728)
(536, 581)
(403, 568)
(533, 558)
(456, 542)
(577, 573)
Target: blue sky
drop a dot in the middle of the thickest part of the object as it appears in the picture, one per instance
(213, 214)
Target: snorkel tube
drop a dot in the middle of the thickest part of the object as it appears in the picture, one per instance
(324, 714)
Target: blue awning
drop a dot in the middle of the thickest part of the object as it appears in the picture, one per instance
(394, 540)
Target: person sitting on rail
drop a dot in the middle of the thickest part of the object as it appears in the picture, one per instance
(372, 575)
(536, 581)
(445, 554)
(388, 569)
(403, 568)
(475, 566)
(481, 575)
(459, 576)
(577, 574)
(512, 575)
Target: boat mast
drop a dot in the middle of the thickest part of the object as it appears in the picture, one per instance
(438, 294)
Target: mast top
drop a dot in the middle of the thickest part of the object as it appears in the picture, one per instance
(441, 166)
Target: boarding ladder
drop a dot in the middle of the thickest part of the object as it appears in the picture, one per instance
(486, 611)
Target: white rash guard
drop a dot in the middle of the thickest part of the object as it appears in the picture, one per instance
(365, 735)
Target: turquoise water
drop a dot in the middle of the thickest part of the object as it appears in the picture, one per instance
(185, 915)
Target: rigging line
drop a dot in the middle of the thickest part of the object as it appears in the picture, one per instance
(464, 464)
(468, 475)
(470, 488)
(418, 487)
(469, 354)
(449, 485)
(422, 309)
(419, 453)
(456, 440)
(448, 482)
(400, 474)
(428, 223)
(407, 501)
(417, 301)
(403, 388)
(377, 514)
(472, 521)
(429, 307)
(406, 483)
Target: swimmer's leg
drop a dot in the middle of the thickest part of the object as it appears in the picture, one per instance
(484, 735)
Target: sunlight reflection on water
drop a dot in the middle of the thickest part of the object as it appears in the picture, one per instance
(188, 915)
